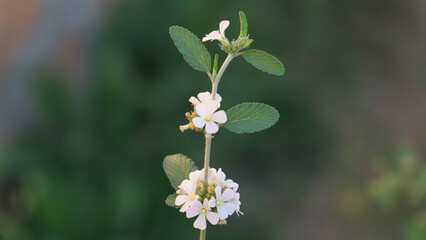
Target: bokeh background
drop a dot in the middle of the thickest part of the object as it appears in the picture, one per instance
(92, 94)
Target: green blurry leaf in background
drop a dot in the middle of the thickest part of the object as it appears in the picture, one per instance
(250, 117)
(177, 168)
(191, 47)
(243, 25)
(264, 61)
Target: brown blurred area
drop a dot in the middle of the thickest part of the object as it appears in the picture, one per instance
(17, 19)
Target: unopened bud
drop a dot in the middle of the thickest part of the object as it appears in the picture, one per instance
(183, 128)
(210, 189)
(222, 222)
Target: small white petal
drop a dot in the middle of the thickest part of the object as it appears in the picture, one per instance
(218, 191)
(187, 186)
(220, 175)
(229, 207)
(228, 195)
(215, 35)
(223, 214)
(194, 209)
(212, 202)
(190, 212)
(185, 206)
(201, 110)
(204, 96)
(223, 26)
(210, 107)
(194, 176)
(200, 223)
(211, 127)
(198, 121)
(218, 98)
(232, 185)
(194, 101)
(181, 199)
(206, 204)
(219, 117)
(212, 217)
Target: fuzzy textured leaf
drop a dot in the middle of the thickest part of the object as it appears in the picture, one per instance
(250, 117)
(177, 168)
(243, 24)
(171, 199)
(191, 47)
(264, 61)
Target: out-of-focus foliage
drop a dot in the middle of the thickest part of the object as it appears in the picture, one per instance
(402, 185)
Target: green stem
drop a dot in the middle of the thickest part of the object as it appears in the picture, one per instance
(220, 73)
(207, 158)
(203, 234)
(215, 84)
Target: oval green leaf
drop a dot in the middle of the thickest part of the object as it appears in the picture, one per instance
(264, 61)
(250, 117)
(177, 168)
(191, 47)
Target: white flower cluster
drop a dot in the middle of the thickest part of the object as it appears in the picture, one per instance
(215, 201)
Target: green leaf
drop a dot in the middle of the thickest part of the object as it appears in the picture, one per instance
(243, 25)
(264, 61)
(250, 117)
(193, 51)
(171, 199)
(177, 168)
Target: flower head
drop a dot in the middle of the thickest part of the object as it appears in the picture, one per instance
(187, 196)
(215, 200)
(203, 211)
(222, 202)
(218, 35)
(208, 116)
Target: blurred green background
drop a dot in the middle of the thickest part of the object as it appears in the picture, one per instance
(92, 94)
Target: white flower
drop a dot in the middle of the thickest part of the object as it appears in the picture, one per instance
(187, 195)
(218, 35)
(204, 97)
(208, 117)
(199, 175)
(203, 211)
(221, 202)
(220, 180)
(237, 203)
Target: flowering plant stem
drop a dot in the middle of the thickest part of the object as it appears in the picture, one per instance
(215, 84)
(207, 194)
(203, 234)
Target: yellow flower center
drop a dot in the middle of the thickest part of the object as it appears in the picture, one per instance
(208, 118)
(218, 202)
(192, 197)
(203, 211)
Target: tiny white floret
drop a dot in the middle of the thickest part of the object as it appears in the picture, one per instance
(203, 211)
(187, 194)
(222, 202)
(218, 35)
(208, 116)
